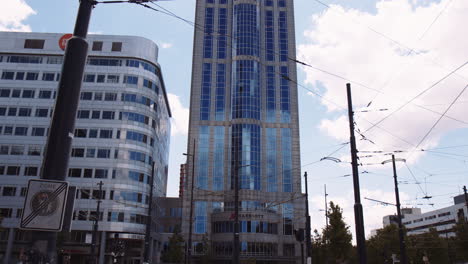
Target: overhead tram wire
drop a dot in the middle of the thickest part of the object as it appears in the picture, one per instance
(305, 64)
(440, 118)
(412, 49)
(418, 95)
(201, 28)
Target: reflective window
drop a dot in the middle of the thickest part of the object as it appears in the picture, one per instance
(222, 32)
(283, 36)
(288, 214)
(200, 217)
(246, 155)
(287, 159)
(205, 94)
(284, 96)
(202, 156)
(220, 92)
(208, 38)
(134, 117)
(246, 30)
(269, 36)
(246, 90)
(271, 177)
(270, 94)
(218, 156)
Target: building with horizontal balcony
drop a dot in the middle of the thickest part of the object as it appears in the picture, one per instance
(442, 220)
(122, 132)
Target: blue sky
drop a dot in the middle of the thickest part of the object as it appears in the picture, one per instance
(391, 51)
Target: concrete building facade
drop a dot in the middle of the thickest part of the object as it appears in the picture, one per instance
(244, 122)
(443, 220)
(122, 130)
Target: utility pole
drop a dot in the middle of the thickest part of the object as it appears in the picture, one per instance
(57, 151)
(96, 223)
(400, 225)
(308, 232)
(149, 220)
(326, 207)
(326, 223)
(358, 213)
(189, 246)
(236, 252)
(466, 196)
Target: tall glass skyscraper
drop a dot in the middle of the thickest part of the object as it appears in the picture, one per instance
(244, 121)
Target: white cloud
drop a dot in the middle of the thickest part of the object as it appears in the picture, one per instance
(373, 212)
(180, 116)
(341, 41)
(165, 45)
(12, 15)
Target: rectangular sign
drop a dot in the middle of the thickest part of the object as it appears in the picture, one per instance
(44, 205)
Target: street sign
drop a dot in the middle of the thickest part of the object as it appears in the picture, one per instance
(44, 206)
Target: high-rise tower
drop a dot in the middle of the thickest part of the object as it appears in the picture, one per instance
(244, 121)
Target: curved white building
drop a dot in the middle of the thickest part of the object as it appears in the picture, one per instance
(123, 126)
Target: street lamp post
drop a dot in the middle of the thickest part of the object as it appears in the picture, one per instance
(400, 225)
(189, 244)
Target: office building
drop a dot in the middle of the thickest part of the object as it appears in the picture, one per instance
(122, 129)
(442, 220)
(244, 122)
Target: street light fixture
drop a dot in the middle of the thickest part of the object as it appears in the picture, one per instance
(397, 197)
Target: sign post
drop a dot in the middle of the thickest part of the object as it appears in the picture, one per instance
(44, 206)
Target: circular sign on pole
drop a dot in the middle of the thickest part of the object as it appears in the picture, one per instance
(63, 40)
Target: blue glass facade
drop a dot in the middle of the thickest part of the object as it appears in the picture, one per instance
(201, 217)
(283, 36)
(270, 94)
(220, 102)
(244, 120)
(205, 95)
(246, 155)
(203, 156)
(222, 32)
(269, 36)
(285, 96)
(270, 165)
(209, 25)
(287, 159)
(246, 40)
(218, 162)
(246, 90)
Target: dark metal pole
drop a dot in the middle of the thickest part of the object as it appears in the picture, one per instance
(401, 235)
(149, 219)
(189, 246)
(308, 232)
(326, 207)
(358, 213)
(57, 151)
(96, 223)
(302, 252)
(236, 249)
(466, 197)
(326, 224)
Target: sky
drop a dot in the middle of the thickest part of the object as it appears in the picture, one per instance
(406, 62)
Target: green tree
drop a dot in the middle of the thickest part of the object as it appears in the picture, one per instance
(381, 246)
(461, 239)
(337, 236)
(175, 250)
(318, 249)
(206, 249)
(428, 244)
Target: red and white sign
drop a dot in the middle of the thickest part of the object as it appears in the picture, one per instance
(63, 40)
